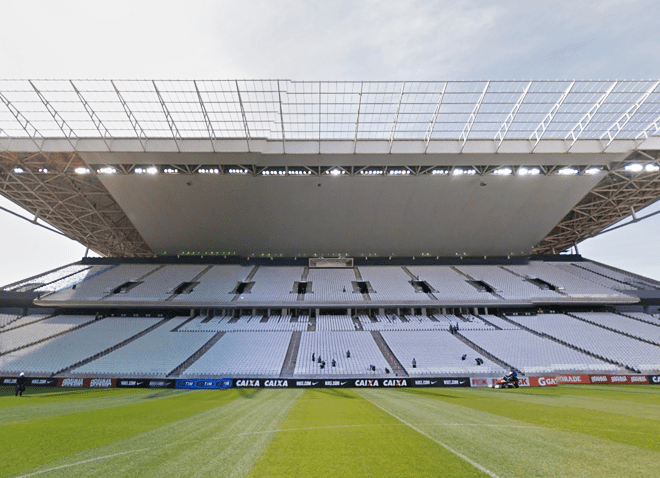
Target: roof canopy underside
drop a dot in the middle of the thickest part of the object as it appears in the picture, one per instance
(285, 168)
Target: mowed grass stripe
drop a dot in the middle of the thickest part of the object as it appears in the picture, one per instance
(338, 433)
(510, 447)
(53, 402)
(222, 441)
(30, 443)
(617, 427)
(623, 400)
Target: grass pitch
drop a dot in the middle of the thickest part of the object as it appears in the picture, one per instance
(585, 431)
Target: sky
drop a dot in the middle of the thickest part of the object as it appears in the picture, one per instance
(331, 40)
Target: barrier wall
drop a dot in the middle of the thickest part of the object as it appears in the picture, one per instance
(226, 383)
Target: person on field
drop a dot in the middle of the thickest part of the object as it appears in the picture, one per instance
(21, 382)
(512, 377)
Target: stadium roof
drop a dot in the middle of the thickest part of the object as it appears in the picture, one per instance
(404, 164)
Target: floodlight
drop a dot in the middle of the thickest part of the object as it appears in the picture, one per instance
(634, 167)
(457, 172)
(528, 171)
(82, 171)
(503, 171)
(592, 171)
(43, 170)
(18, 170)
(335, 172)
(568, 172)
(152, 170)
(106, 170)
(651, 168)
(170, 171)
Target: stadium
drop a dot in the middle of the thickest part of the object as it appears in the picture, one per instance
(338, 237)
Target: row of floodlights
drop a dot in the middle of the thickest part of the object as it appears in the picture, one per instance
(504, 171)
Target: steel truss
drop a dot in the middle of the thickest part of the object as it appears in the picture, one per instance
(78, 205)
(616, 197)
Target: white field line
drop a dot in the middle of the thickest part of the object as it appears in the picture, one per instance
(98, 458)
(315, 428)
(443, 445)
(403, 423)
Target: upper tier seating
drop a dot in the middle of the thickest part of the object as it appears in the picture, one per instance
(570, 284)
(507, 285)
(98, 286)
(580, 269)
(243, 354)
(159, 285)
(155, 354)
(274, 284)
(436, 353)
(334, 345)
(216, 285)
(450, 285)
(390, 283)
(332, 285)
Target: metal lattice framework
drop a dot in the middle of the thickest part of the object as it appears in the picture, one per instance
(77, 205)
(619, 195)
(284, 110)
(45, 123)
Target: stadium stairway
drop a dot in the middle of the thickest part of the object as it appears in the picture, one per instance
(620, 332)
(396, 366)
(485, 321)
(193, 280)
(485, 353)
(194, 357)
(566, 344)
(291, 355)
(356, 322)
(68, 369)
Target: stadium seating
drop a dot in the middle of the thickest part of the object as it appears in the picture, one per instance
(98, 286)
(246, 324)
(37, 330)
(153, 355)
(63, 351)
(569, 284)
(436, 353)
(216, 285)
(636, 328)
(334, 345)
(596, 340)
(333, 285)
(533, 355)
(159, 285)
(243, 354)
(6, 319)
(334, 322)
